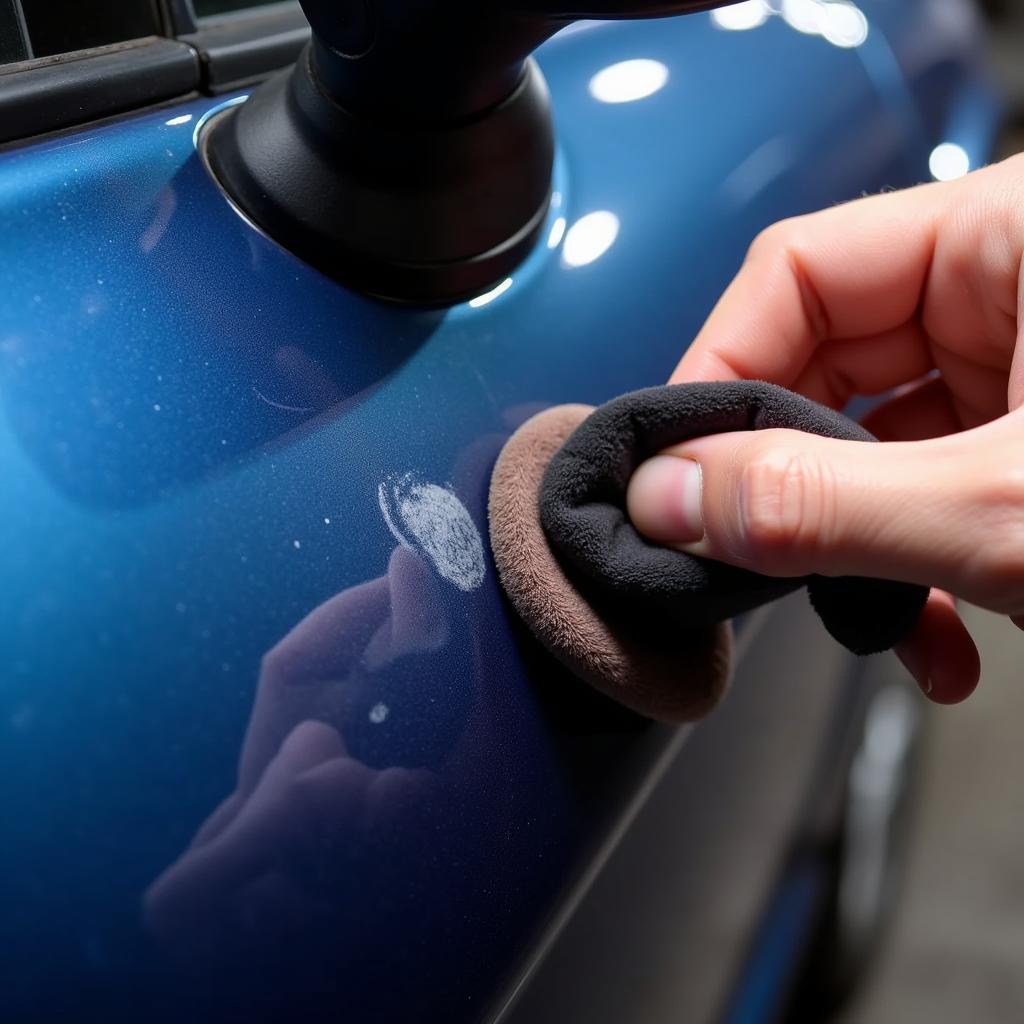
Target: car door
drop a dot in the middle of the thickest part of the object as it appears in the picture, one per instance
(276, 746)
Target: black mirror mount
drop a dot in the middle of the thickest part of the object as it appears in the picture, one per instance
(409, 152)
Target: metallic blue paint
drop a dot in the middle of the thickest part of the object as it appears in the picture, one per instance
(203, 443)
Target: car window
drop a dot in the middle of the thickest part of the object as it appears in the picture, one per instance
(205, 8)
(60, 26)
(13, 44)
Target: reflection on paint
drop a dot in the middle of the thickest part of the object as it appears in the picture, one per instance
(557, 233)
(839, 22)
(590, 238)
(210, 114)
(281, 847)
(488, 297)
(742, 16)
(843, 24)
(628, 81)
(948, 161)
(802, 15)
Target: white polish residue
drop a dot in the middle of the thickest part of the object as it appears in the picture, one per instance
(379, 713)
(431, 519)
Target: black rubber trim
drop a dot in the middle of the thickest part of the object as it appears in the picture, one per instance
(239, 48)
(58, 92)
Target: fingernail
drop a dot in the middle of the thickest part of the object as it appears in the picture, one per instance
(916, 666)
(664, 500)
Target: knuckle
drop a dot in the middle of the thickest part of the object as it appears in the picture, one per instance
(783, 247)
(787, 509)
(284, 665)
(773, 240)
(996, 568)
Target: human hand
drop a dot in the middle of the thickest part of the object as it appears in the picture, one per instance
(916, 293)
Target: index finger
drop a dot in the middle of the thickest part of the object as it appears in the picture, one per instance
(855, 271)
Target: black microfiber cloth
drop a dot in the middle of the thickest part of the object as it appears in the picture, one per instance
(583, 513)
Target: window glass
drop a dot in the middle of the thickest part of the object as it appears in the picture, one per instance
(204, 8)
(12, 33)
(59, 26)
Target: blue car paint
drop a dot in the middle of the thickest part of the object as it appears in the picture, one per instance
(203, 442)
(761, 995)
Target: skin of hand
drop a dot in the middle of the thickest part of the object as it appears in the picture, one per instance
(915, 296)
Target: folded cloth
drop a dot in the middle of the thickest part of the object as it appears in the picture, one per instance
(675, 675)
(641, 584)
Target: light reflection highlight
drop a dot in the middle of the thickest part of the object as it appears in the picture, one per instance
(739, 17)
(843, 24)
(590, 238)
(180, 119)
(839, 22)
(802, 15)
(629, 81)
(494, 293)
(557, 233)
(948, 161)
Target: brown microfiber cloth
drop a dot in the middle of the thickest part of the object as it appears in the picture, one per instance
(641, 621)
(673, 675)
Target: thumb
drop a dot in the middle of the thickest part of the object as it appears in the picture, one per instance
(787, 503)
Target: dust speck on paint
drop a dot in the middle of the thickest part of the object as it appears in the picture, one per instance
(430, 518)
(327, 521)
(379, 713)
(296, 544)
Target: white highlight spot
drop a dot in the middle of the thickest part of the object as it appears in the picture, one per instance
(742, 16)
(840, 22)
(180, 119)
(843, 24)
(296, 544)
(802, 15)
(557, 233)
(948, 161)
(590, 238)
(156, 408)
(488, 297)
(327, 521)
(629, 81)
(430, 518)
(379, 713)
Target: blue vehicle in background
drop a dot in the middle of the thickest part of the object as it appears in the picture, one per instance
(274, 747)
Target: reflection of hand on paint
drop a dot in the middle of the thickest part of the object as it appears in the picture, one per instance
(327, 666)
(273, 856)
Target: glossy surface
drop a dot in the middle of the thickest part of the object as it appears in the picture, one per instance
(272, 745)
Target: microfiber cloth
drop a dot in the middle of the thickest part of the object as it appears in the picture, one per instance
(675, 674)
(642, 585)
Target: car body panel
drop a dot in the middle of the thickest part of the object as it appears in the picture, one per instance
(242, 505)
